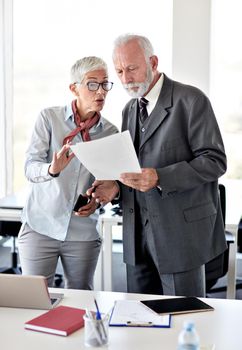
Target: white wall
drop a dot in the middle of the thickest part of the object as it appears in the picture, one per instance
(191, 42)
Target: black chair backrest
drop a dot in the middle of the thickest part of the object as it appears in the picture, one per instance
(222, 195)
(10, 228)
(218, 267)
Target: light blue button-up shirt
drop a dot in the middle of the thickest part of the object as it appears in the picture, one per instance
(49, 206)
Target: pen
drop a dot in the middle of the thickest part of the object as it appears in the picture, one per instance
(95, 327)
(89, 314)
(99, 317)
(98, 314)
(107, 314)
(137, 324)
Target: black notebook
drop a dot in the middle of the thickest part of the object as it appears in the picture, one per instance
(177, 305)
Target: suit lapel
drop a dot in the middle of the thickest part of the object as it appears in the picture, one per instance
(133, 120)
(160, 111)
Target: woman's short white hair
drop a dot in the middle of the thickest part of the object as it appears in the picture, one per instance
(144, 43)
(85, 65)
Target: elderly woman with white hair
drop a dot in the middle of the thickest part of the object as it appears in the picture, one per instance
(50, 228)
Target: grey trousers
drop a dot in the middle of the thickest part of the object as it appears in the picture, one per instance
(39, 255)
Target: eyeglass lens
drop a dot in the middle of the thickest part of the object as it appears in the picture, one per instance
(93, 86)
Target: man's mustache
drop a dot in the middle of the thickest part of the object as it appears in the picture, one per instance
(131, 85)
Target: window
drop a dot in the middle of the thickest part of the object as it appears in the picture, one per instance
(226, 78)
(226, 93)
(49, 36)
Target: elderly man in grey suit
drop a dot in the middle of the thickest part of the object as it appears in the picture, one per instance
(172, 222)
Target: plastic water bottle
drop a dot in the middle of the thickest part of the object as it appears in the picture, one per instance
(188, 338)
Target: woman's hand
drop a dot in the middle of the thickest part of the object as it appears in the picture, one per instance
(61, 159)
(103, 191)
(87, 209)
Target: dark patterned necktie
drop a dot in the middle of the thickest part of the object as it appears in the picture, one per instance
(142, 109)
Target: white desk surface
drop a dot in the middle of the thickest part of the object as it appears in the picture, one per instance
(221, 327)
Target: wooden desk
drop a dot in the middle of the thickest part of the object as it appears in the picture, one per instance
(220, 327)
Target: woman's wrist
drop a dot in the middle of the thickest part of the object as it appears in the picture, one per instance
(52, 174)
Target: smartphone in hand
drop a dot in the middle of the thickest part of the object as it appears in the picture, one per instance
(81, 201)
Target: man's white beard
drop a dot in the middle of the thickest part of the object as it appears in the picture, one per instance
(142, 87)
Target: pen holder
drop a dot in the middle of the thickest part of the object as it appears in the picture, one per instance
(96, 331)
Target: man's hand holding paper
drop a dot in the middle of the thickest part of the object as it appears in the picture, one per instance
(144, 181)
(106, 191)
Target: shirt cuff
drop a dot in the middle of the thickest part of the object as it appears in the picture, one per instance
(53, 175)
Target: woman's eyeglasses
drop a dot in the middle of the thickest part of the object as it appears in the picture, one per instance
(93, 86)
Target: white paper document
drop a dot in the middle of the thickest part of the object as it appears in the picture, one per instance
(133, 313)
(108, 157)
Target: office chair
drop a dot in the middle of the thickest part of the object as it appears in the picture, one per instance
(11, 229)
(240, 236)
(218, 267)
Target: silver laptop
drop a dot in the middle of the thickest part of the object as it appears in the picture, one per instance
(27, 292)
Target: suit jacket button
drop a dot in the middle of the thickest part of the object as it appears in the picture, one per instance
(131, 210)
(143, 129)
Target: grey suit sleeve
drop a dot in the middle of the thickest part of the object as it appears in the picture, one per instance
(207, 160)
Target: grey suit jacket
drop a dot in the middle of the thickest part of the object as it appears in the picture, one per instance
(183, 143)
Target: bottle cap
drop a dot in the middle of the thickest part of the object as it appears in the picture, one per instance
(188, 324)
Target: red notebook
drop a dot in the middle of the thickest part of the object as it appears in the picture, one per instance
(62, 320)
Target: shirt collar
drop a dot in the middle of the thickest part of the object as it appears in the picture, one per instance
(154, 93)
(69, 115)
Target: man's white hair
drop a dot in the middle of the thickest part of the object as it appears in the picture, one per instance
(85, 65)
(144, 43)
